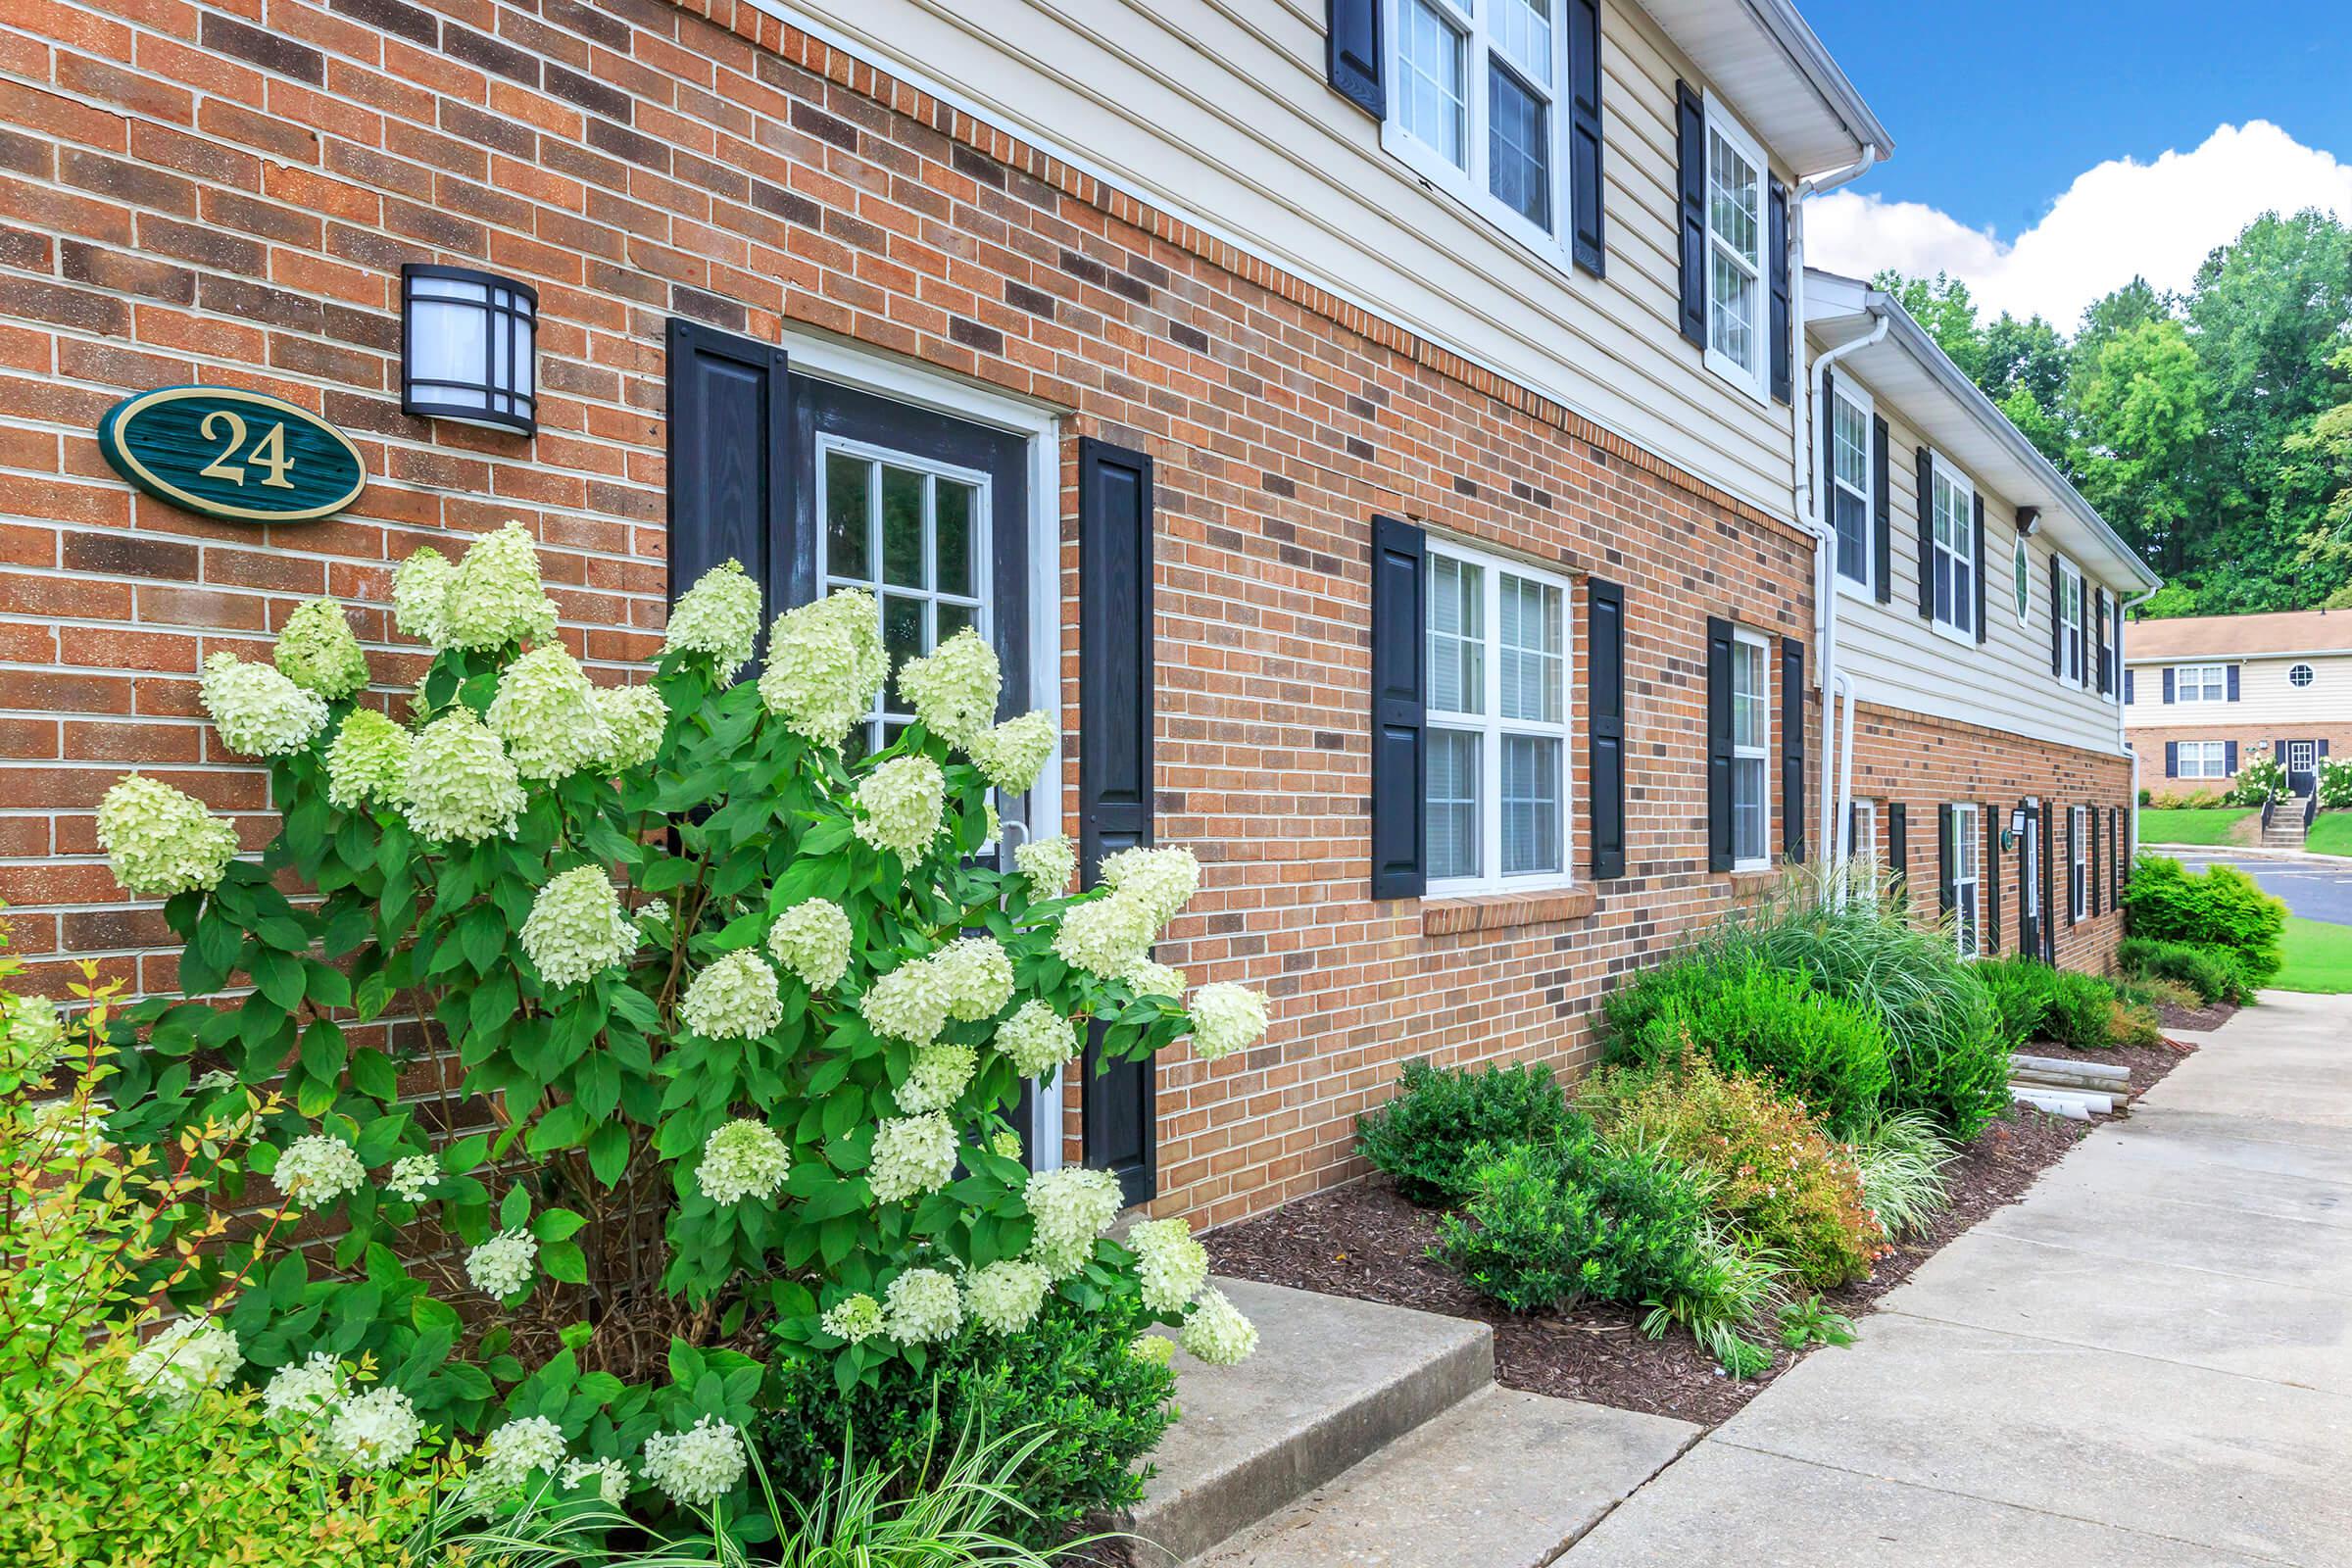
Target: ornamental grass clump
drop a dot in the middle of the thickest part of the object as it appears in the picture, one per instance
(720, 1029)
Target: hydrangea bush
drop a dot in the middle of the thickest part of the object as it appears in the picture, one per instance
(718, 1030)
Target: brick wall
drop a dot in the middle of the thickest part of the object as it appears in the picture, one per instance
(2253, 741)
(225, 194)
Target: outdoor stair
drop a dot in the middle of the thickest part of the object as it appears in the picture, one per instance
(1363, 1434)
(2284, 830)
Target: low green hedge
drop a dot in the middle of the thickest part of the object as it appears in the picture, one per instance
(2213, 973)
(1424, 1135)
(2220, 907)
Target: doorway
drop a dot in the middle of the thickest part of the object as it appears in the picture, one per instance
(2302, 766)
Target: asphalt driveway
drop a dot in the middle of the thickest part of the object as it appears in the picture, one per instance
(2315, 890)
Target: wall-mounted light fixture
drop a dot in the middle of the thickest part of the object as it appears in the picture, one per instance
(468, 347)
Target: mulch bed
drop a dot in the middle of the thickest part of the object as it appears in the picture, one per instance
(1366, 1242)
(2198, 1020)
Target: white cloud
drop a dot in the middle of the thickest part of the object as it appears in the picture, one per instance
(2119, 220)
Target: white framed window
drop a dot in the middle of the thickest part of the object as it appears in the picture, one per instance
(1862, 832)
(2302, 757)
(1736, 345)
(2201, 683)
(2201, 759)
(1850, 484)
(1965, 824)
(1498, 723)
(1752, 750)
(2069, 622)
(2078, 863)
(1954, 552)
(1477, 108)
(2020, 566)
(2300, 676)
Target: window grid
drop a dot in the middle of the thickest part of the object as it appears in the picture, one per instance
(1752, 743)
(1850, 475)
(2201, 683)
(2070, 620)
(1862, 832)
(2077, 858)
(2300, 676)
(1955, 538)
(1478, 106)
(1735, 251)
(1960, 856)
(2202, 759)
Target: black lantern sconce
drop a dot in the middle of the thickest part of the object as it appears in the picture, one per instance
(468, 347)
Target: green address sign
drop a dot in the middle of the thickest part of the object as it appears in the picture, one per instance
(228, 453)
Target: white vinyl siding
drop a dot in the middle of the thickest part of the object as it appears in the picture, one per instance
(1850, 486)
(2269, 702)
(1474, 110)
(1960, 857)
(1737, 336)
(1751, 752)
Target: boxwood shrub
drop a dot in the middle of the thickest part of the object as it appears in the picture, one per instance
(2220, 907)
(1423, 1137)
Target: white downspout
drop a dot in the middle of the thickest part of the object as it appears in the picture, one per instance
(1825, 585)
(1842, 852)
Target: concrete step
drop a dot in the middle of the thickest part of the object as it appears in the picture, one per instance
(1332, 1381)
(1502, 1480)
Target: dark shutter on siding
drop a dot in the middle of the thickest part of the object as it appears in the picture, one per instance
(2169, 682)
(1719, 745)
(1351, 54)
(1691, 158)
(1882, 506)
(1898, 839)
(2090, 860)
(2106, 672)
(1793, 749)
(1604, 707)
(1587, 230)
(1989, 886)
(729, 459)
(1784, 347)
(2172, 758)
(1978, 574)
(2233, 676)
(2115, 854)
(1924, 472)
(1400, 750)
(1946, 864)
(2058, 622)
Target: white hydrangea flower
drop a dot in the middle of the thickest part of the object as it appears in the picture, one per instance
(1226, 1018)
(1036, 1038)
(318, 1168)
(1151, 978)
(373, 1431)
(737, 998)
(811, 939)
(193, 1354)
(35, 1037)
(1047, 864)
(634, 718)
(1164, 879)
(160, 841)
(1218, 1333)
(1106, 935)
(414, 1177)
(366, 760)
(316, 651)
(308, 1388)
(258, 711)
(899, 806)
(654, 912)
(577, 928)
(742, 1159)
(976, 976)
(1007, 1143)
(825, 665)
(1156, 1348)
(909, 1004)
(546, 711)
(1171, 1265)
(494, 595)
(853, 1318)
(953, 689)
(921, 1305)
(510, 1453)
(697, 1466)
(938, 1077)
(460, 786)
(912, 1155)
(505, 1264)
(611, 1478)
(1004, 1298)
(421, 597)
(718, 615)
(1014, 753)
(1069, 1207)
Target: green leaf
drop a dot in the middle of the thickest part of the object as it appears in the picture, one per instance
(560, 1128)
(513, 1210)
(564, 1261)
(554, 1224)
(482, 936)
(279, 979)
(608, 1152)
(373, 996)
(322, 1050)
(327, 985)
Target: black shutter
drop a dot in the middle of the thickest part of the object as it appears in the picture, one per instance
(1881, 504)
(2233, 673)
(1898, 839)
(2049, 872)
(2169, 682)
(1690, 155)
(2172, 758)
(1793, 749)
(1980, 572)
(2090, 860)
(2229, 758)
(1604, 707)
(2058, 622)
(1946, 864)
(2027, 936)
(1989, 886)
(1400, 750)
(729, 459)
(1784, 347)
(1351, 54)
(1924, 465)
(1719, 745)
(1118, 1100)
(2115, 854)
(2106, 670)
(2278, 750)
(1587, 229)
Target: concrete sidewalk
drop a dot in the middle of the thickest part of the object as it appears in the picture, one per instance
(2147, 1361)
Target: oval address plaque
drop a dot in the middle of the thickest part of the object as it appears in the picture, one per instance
(228, 453)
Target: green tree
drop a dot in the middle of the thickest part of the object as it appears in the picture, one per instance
(1943, 306)
(2142, 410)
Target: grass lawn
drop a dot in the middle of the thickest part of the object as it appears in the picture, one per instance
(2331, 834)
(2319, 957)
(2205, 824)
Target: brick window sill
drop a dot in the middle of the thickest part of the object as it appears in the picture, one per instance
(1501, 910)
(1747, 884)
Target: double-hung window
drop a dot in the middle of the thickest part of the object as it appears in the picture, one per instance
(1862, 833)
(1954, 552)
(1966, 827)
(2201, 683)
(2078, 859)
(1476, 110)
(2202, 759)
(2069, 622)
(1751, 742)
(1497, 718)
(1850, 481)
(1736, 344)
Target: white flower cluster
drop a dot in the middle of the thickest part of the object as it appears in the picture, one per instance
(1006, 1143)
(1004, 1297)
(414, 1177)
(937, 1077)
(812, 940)
(305, 1390)
(258, 711)
(503, 1265)
(1012, 753)
(697, 1466)
(612, 1479)
(634, 718)
(366, 760)
(510, 1453)
(318, 1168)
(1036, 1038)
(654, 912)
(1164, 880)
(546, 711)
(460, 786)
(976, 976)
(419, 591)
(718, 615)
(1218, 1333)
(912, 1155)
(373, 1431)
(317, 652)
(825, 665)
(1047, 864)
(853, 1318)
(577, 928)
(35, 1037)
(1156, 1348)
(494, 597)
(1171, 1265)
(193, 1354)
(1226, 1018)
(909, 1004)
(161, 842)
(1106, 935)
(737, 998)
(1152, 978)
(921, 1305)
(954, 688)
(742, 1159)
(899, 806)
(1069, 1207)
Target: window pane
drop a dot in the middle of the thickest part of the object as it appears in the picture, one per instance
(953, 502)
(902, 527)
(1747, 808)
(1747, 695)
(1733, 200)
(1850, 447)
(1731, 323)
(1457, 609)
(1533, 661)
(1434, 107)
(1523, 32)
(902, 640)
(1531, 804)
(1518, 147)
(1453, 838)
(1853, 535)
(847, 482)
